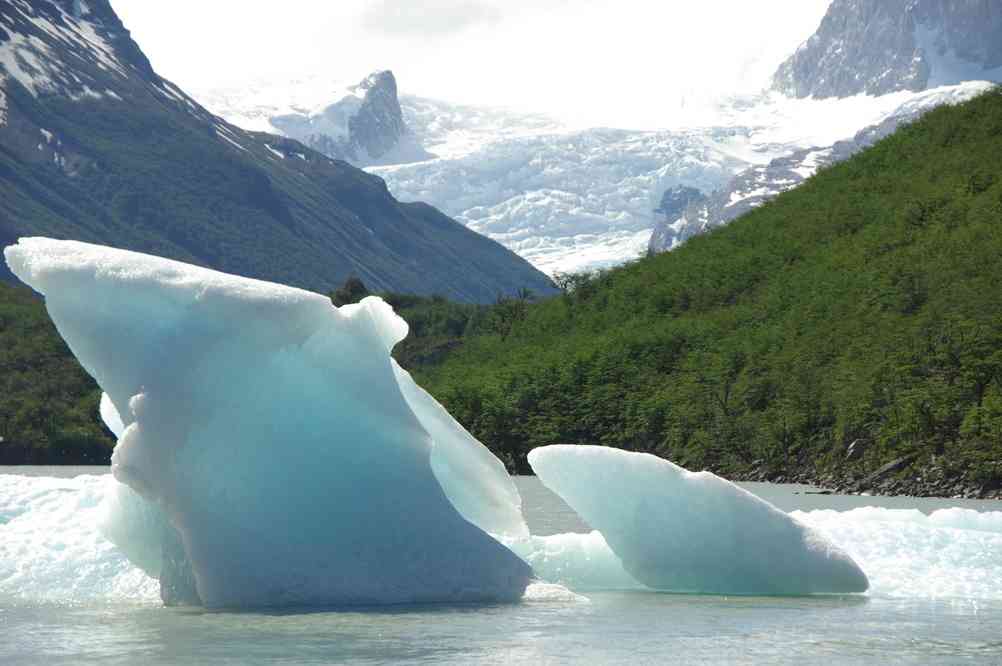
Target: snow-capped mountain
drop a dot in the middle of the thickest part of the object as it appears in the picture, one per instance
(947, 50)
(571, 199)
(362, 123)
(881, 46)
(684, 213)
(95, 146)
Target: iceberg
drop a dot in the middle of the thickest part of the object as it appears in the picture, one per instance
(272, 453)
(681, 531)
(297, 463)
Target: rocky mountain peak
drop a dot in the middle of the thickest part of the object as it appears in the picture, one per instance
(382, 81)
(882, 46)
(364, 125)
(379, 124)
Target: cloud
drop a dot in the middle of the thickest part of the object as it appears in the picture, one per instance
(610, 62)
(405, 18)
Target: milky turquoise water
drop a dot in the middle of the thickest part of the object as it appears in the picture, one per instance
(907, 619)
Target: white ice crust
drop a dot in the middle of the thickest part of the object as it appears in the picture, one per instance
(682, 531)
(274, 432)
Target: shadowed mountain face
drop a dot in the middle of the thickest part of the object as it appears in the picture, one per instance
(95, 146)
(881, 46)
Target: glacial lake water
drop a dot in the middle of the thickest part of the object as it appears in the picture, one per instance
(914, 614)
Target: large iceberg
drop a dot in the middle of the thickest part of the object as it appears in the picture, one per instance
(297, 463)
(682, 531)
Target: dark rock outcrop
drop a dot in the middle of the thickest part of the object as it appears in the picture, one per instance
(881, 46)
(365, 126)
(675, 201)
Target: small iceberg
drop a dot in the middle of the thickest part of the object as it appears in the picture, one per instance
(692, 532)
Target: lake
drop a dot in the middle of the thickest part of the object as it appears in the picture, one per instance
(936, 597)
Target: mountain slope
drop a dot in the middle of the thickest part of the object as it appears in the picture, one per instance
(881, 46)
(845, 325)
(49, 408)
(95, 146)
(756, 185)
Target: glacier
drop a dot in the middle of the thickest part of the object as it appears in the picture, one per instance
(568, 197)
(681, 531)
(272, 431)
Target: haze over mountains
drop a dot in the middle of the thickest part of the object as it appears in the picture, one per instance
(570, 198)
(95, 146)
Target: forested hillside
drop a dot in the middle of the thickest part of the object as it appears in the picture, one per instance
(48, 404)
(852, 322)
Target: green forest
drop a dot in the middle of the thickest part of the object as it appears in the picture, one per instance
(862, 307)
(48, 404)
(850, 322)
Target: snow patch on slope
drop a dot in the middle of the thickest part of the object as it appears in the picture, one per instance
(3, 100)
(24, 59)
(30, 61)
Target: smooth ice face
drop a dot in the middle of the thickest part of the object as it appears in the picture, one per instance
(276, 436)
(473, 479)
(682, 531)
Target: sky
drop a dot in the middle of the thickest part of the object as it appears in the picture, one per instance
(600, 62)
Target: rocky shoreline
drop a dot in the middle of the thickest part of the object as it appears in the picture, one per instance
(900, 477)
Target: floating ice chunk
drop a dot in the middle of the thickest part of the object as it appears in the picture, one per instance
(273, 432)
(692, 532)
(967, 519)
(582, 562)
(952, 553)
(552, 593)
(51, 549)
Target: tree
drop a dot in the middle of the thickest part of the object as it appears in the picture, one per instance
(352, 291)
